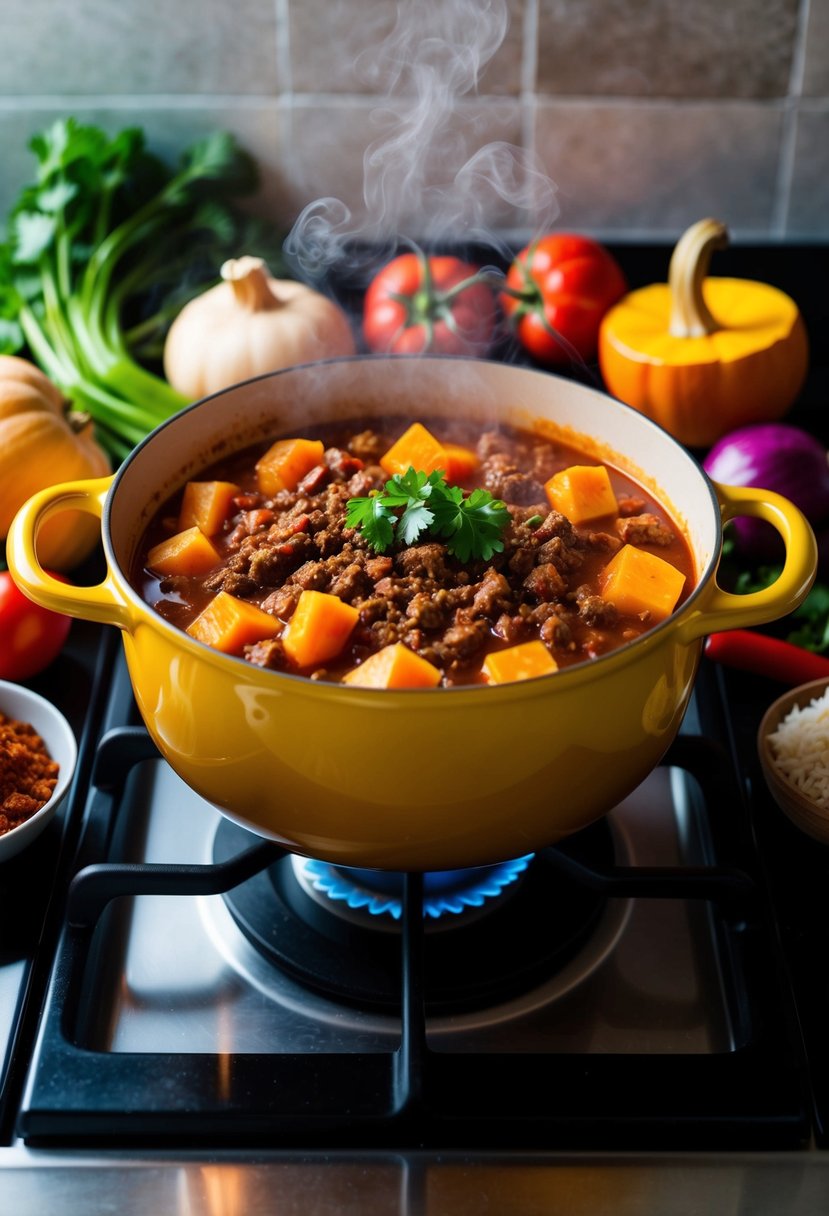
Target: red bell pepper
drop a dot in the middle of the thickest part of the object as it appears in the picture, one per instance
(766, 656)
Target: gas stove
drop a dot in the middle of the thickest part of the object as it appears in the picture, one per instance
(193, 1021)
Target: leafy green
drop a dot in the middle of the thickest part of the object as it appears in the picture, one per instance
(413, 504)
(808, 625)
(103, 249)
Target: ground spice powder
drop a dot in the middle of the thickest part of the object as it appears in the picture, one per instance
(28, 774)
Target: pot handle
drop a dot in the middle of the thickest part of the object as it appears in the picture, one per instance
(102, 602)
(720, 609)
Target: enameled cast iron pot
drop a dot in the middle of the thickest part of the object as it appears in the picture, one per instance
(412, 779)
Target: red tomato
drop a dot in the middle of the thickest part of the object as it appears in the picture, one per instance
(413, 305)
(558, 290)
(30, 636)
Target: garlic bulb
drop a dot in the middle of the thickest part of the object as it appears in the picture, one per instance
(248, 325)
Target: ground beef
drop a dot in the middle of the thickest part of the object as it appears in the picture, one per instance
(541, 584)
(644, 529)
(423, 561)
(594, 610)
(505, 480)
(28, 774)
(545, 583)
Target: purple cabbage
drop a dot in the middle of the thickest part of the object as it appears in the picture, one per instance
(772, 456)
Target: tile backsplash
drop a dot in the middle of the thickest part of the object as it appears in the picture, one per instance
(627, 119)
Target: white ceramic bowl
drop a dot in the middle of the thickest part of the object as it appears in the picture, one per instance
(803, 811)
(27, 706)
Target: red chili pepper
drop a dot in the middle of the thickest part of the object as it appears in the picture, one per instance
(766, 656)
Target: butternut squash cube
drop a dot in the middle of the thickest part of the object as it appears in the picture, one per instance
(229, 624)
(319, 628)
(394, 666)
(188, 552)
(206, 505)
(461, 463)
(521, 662)
(582, 493)
(286, 462)
(638, 582)
(416, 447)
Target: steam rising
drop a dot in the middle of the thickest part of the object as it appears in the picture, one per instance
(419, 164)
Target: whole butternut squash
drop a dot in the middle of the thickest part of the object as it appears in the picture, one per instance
(40, 445)
(704, 355)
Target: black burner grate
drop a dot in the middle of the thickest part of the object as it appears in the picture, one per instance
(747, 1097)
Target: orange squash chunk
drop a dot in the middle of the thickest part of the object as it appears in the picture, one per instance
(639, 582)
(229, 624)
(416, 447)
(394, 666)
(319, 628)
(521, 662)
(286, 462)
(461, 463)
(188, 552)
(582, 493)
(206, 505)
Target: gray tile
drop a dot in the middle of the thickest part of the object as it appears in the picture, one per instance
(808, 213)
(428, 180)
(139, 47)
(652, 168)
(816, 63)
(666, 48)
(375, 46)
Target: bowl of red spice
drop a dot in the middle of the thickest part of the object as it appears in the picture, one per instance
(38, 753)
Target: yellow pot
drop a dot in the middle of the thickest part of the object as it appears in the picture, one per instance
(418, 779)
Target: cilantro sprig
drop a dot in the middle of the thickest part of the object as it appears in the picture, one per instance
(414, 504)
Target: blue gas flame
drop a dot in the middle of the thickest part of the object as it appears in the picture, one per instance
(445, 892)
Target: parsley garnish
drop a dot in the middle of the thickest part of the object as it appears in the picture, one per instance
(413, 503)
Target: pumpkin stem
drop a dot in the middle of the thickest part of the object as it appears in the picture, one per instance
(690, 315)
(77, 420)
(251, 283)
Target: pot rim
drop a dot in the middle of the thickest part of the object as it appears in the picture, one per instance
(584, 671)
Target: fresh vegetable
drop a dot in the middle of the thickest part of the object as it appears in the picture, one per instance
(250, 324)
(582, 492)
(39, 448)
(319, 628)
(416, 503)
(763, 655)
(31, 637)
(418, 303)
(521, 662)
(106, 234)
(286, 462)
(703, 355)
(394, 666)
(557, 290)
(229, 624)
(640, 582)
(772, 456)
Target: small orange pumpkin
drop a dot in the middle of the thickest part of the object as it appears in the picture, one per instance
(702, 356)
(41, 445)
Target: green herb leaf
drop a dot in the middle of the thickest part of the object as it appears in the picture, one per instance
(373, 518)
(414, 503)
(473, 525)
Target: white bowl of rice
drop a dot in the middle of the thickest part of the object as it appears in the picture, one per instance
(793, 745)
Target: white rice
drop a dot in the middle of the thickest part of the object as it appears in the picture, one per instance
(800, 748)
